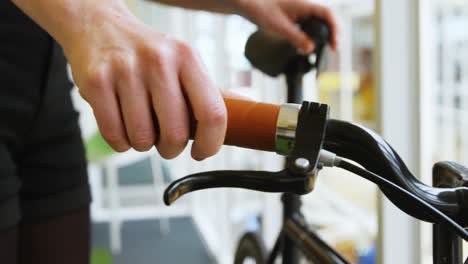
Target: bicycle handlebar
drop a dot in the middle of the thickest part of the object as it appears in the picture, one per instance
(371, 151)
(251, 124)
(345, 139)
(283, 128)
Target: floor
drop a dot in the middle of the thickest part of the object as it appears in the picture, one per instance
(143, 243)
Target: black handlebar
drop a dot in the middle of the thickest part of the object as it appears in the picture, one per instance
(376, 155)
(360, 145)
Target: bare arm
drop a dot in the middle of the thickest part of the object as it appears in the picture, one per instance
(218, 6)
(61, 18)
(277, 16)
(134, 76)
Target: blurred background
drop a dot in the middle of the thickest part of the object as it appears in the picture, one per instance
(132, 225)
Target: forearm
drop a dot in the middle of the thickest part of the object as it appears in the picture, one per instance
(218, 6)
(64, 19)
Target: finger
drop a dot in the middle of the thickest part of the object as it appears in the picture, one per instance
(207, 106)
(288, 28)
(171, 111)
(136, 108)
(235, 95)
(327, 15)
(102, 98)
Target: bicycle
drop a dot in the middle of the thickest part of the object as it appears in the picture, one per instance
(311, 141)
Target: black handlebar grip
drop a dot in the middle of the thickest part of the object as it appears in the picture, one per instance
(272, 54)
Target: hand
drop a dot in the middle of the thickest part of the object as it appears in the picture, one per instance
(133, 76)
(281, 16)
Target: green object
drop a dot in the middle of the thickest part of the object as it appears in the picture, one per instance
(101, 256)
(97, 148)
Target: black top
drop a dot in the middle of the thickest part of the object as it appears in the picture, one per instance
(23, 44)
(32, 71)
(42, 161)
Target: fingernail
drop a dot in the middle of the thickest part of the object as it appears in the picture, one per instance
(198, 158)
(122, 147)
(307, 49)
(301, 51)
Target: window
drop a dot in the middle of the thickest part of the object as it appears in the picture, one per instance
(446, 89)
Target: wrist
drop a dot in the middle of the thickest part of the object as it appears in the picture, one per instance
(100, 26)
(87, 18)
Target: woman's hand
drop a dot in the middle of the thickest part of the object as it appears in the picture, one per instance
(135, 77)
(281, 17)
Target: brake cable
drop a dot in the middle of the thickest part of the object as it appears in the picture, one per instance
(382, 182)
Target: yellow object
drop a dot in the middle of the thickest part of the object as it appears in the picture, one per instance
(362, 86)
(329, 85)
(364, 101)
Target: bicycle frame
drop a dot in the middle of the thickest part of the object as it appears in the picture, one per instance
(306, 242)
(296, 238)
(292, 202)
(447, 247)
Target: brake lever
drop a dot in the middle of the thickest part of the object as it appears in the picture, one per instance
(263, 181)
(298, 177)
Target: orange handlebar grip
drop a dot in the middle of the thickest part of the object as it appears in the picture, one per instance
(251, 124)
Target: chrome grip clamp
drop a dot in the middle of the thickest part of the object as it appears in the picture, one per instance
(286, 128)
